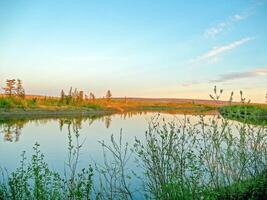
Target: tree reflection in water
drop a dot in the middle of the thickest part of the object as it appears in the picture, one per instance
(12, 128)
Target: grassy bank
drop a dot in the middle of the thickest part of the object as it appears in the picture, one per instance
(45, 103)
(253, 188)
(52, 106)
(253, 114)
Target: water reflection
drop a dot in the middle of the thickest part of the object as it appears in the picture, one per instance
(201, 150)
(12, 128)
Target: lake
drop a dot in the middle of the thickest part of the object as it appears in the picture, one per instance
(52, 135)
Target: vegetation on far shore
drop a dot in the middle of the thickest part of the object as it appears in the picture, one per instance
(15, 102)
(15, 98)
(252, 114)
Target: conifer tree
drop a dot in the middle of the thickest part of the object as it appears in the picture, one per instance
(92, 96)
(62, 95)
(10, 87)
(80, 95)
(108, 95)
(19, 89)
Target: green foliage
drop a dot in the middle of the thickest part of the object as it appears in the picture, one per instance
(32, 102)
(253, 188)
(245, 113)
(13, 102)
(188, 161)
(6, 103)
(36, 181)
(50, 102)
(33, 181)
(114, 176)
(93, 106)
(167, 157)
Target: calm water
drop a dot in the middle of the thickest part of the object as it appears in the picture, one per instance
(52, 135)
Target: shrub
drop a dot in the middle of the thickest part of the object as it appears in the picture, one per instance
(37, 181)
(5, 103)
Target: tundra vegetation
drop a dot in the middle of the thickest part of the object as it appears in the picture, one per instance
(15, 99)
(213, 158)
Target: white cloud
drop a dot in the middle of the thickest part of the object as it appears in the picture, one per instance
(218, 50)
(212, 56)
(237, 17)
(227, 23)
(224, 25)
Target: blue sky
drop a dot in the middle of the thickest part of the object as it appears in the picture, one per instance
(143, 48)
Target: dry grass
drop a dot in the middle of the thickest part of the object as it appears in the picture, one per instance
(168, 105)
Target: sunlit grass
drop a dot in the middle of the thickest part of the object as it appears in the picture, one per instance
(117, 105)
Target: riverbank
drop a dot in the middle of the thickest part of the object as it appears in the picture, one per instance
(252, 114)
(54, 113)
(12, 107)
(45, 107)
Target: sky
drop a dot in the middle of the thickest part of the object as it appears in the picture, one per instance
(136, 48)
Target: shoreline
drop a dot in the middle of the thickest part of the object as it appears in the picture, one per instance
(46, 113)
(19, 113)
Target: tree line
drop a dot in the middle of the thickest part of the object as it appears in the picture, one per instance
(79, 95)
(14, 87)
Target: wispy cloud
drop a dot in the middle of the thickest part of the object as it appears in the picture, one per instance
(227, 23)
(219, 50)
(240, 75)
(212, 56)
(224, 25)
(231, 76)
